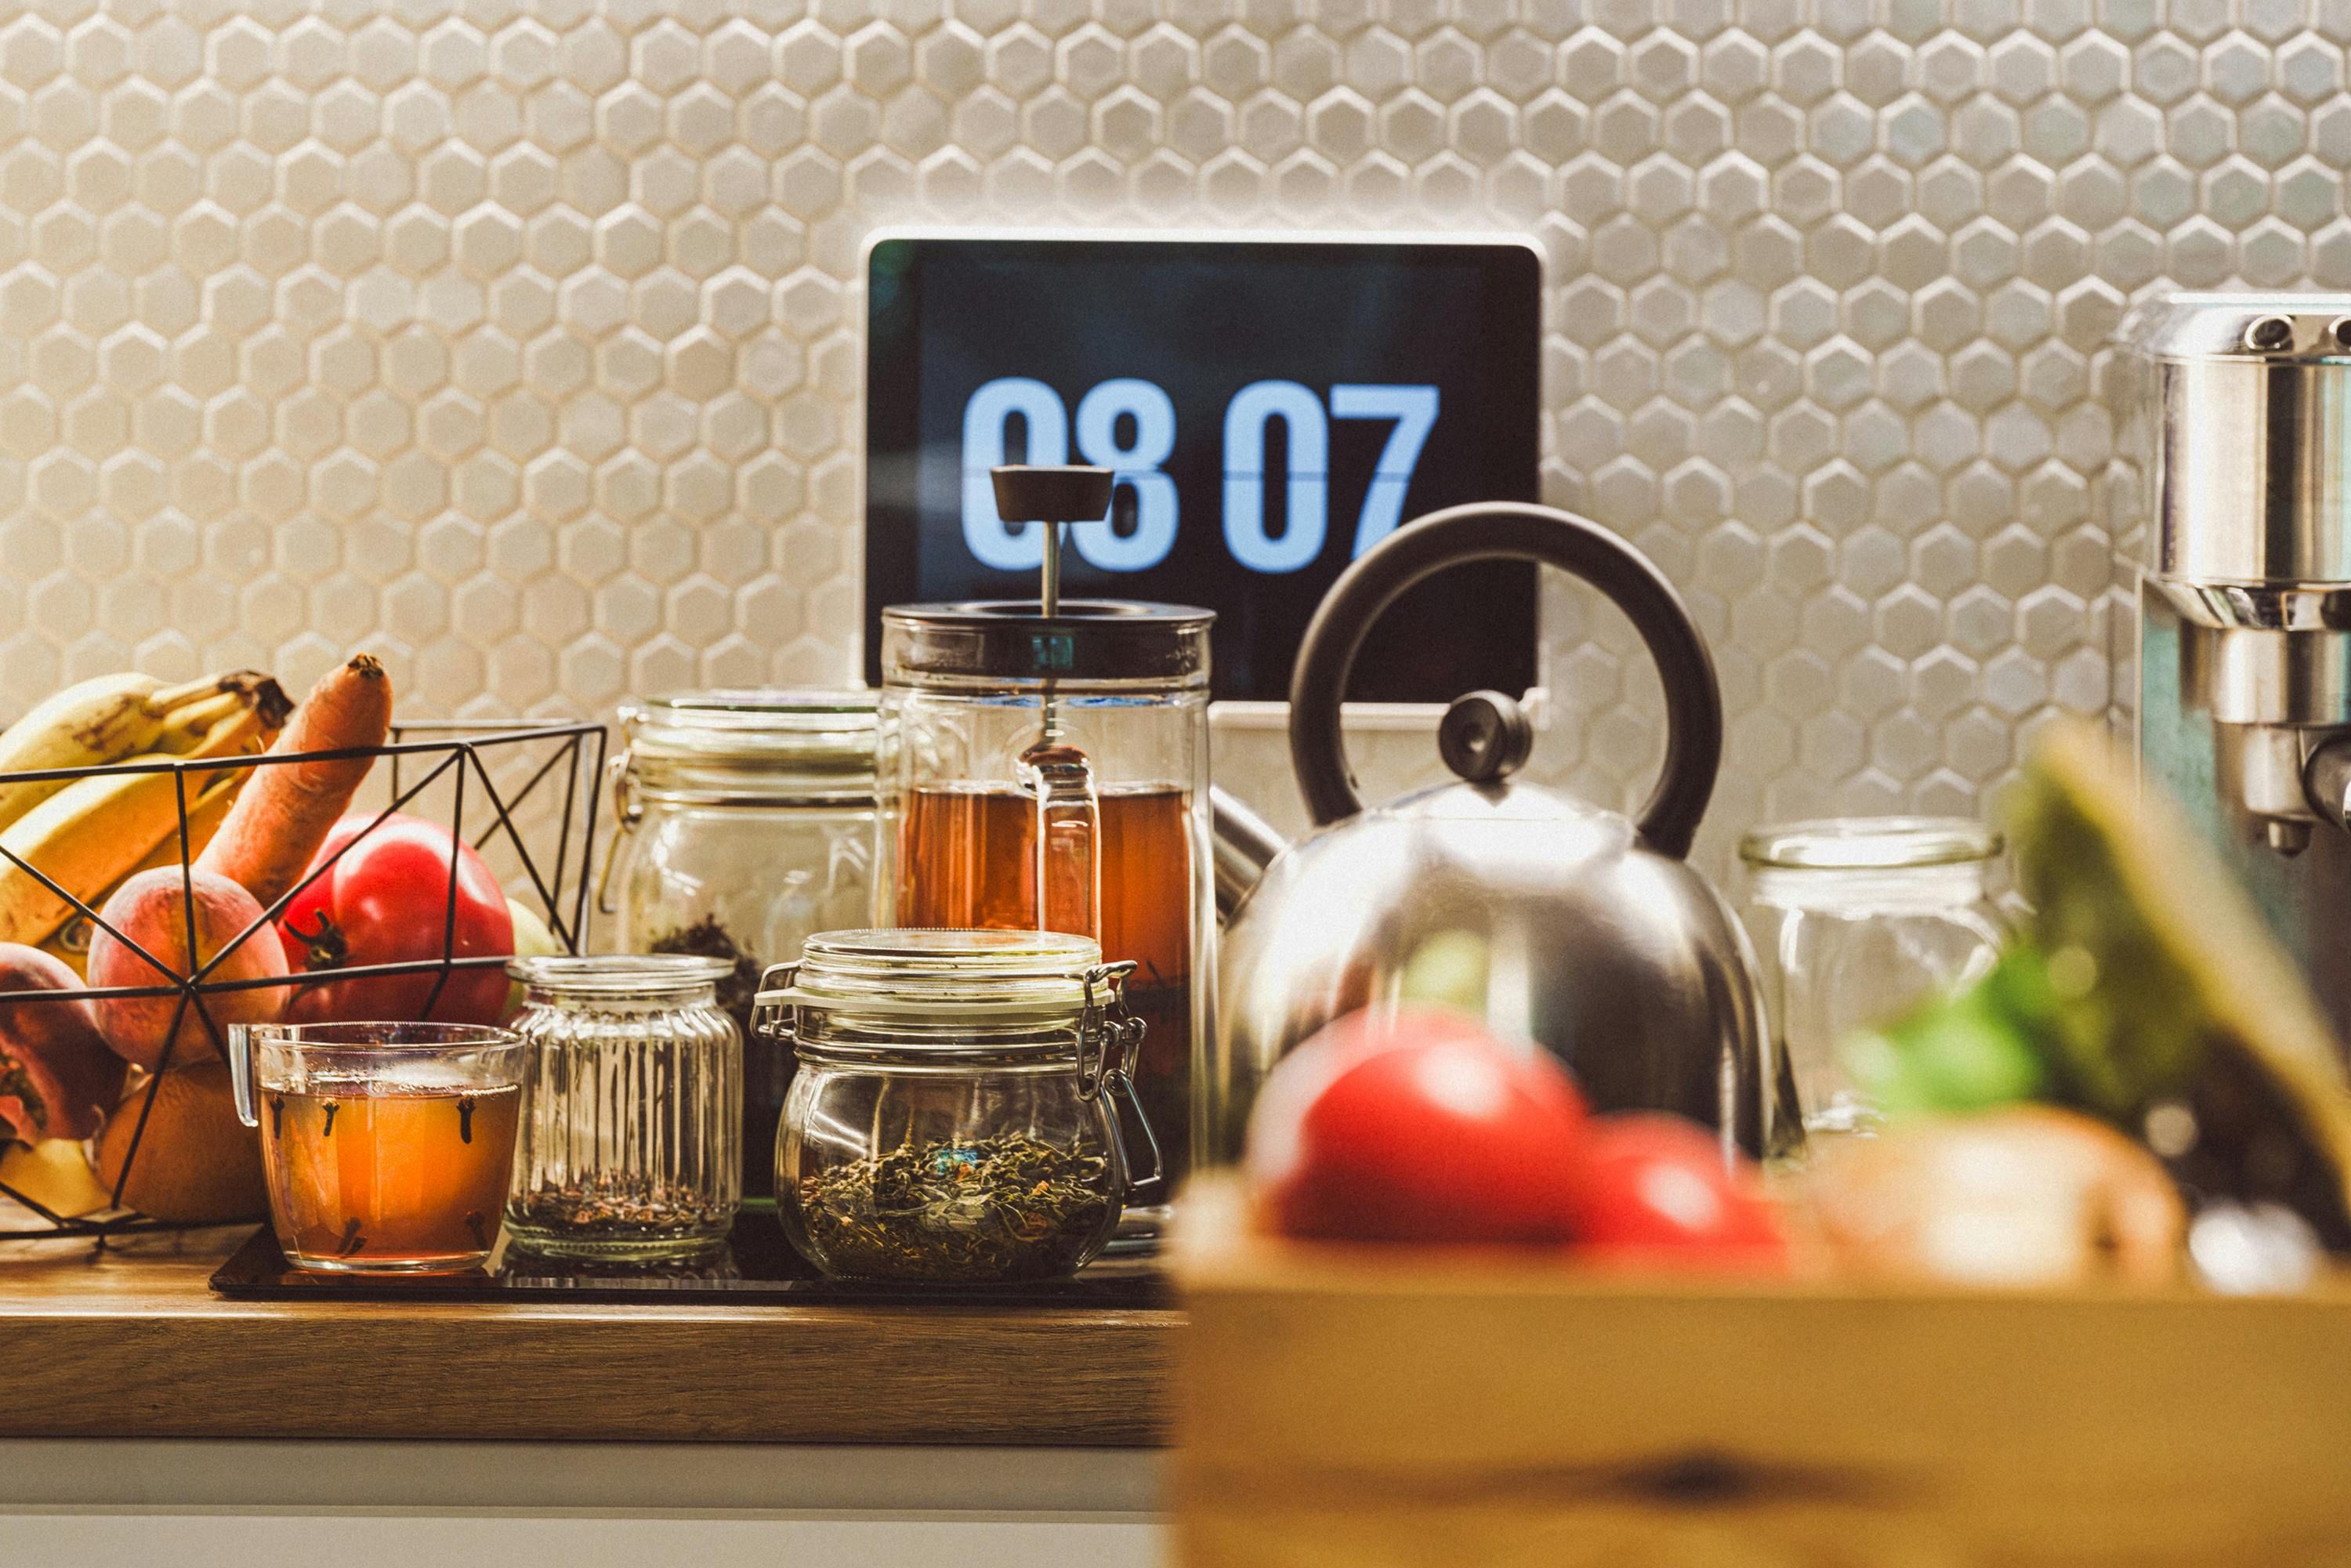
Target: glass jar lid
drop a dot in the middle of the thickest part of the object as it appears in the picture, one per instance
(1106, 640)
(1870, 843)
(946, 972)
(755, 743)
(608, 977)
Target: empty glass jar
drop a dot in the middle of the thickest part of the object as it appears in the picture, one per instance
(743, 822)
(633, 1107)
(951, 1120)
(1856, 920)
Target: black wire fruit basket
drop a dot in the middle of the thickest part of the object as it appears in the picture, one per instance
(536, 830)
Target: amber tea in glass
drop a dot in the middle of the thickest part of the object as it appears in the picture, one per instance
(373, 1176)
(966, 858)
(388, 1147)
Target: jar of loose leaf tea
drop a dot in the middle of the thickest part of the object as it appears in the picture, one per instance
(743, 821)
(962, 1105)
(630, 1146)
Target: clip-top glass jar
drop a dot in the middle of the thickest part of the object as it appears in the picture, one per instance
(951, 1120)
(632, 1108)
(743, 822)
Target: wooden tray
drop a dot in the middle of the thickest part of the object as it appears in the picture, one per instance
(1370, 1407)
(756, 1267)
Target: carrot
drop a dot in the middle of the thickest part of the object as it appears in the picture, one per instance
(207, 812)
(282, 815)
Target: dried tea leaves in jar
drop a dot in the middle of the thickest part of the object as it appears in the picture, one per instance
(706, 938)
(1007, 1207)
(619, 1204)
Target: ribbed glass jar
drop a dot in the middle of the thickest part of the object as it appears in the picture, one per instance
(632, 1108)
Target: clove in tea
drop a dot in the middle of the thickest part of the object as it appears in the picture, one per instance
(366, 1176)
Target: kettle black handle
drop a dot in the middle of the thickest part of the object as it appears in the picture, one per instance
(1509, 531)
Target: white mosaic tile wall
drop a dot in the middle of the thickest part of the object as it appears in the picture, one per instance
(517, 342)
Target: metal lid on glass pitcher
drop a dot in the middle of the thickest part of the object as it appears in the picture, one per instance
(1089, 640)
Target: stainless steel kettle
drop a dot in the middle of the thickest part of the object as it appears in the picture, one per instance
(1557, 921)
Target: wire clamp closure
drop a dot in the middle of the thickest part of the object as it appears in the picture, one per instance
(1110, 1043)
(772, 1016)
(1108, 1035)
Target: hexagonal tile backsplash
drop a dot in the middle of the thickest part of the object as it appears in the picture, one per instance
(519, 343)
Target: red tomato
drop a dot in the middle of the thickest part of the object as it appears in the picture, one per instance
(385, 902)
(1344, 1041)
(316, 894)
(1656, 1189)
(1416, 1128)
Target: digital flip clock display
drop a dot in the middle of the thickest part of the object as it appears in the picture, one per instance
(1270, 410)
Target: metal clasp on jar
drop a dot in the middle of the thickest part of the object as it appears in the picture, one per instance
(773, 1018)
(626, 812)
(1110, 1043)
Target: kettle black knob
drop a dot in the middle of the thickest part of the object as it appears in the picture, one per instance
(1061, 493)
(1485, 736)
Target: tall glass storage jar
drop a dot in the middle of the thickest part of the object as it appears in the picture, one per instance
(632, 1141)
(1050, 773)
(744, 822)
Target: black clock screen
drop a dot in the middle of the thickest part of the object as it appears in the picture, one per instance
(1272, 410)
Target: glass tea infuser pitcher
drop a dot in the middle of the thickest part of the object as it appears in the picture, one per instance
(1044, 766)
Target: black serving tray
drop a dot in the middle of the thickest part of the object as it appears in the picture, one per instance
(757, 1267)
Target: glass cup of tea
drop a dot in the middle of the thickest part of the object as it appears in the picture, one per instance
(389, 1147)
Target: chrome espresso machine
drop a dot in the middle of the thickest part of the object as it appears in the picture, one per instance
(2233, 512)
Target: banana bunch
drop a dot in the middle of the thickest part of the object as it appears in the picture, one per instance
(87, 834)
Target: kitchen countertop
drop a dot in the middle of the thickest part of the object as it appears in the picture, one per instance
(131, 1342)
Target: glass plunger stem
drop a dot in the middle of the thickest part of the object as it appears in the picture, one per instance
(1069, 810)
(1058, 775)
(1052, 588)
(1050, 601)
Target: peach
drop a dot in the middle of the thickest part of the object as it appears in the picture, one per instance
(153, 910)
(195, 1163)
